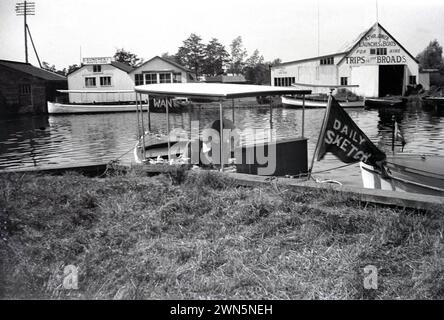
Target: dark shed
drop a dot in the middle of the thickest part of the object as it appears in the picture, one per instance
(25, 88)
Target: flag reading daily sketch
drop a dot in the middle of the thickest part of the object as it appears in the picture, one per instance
(343, 138)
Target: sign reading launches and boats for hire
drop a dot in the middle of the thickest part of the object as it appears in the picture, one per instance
(343, 138)
(377, 48)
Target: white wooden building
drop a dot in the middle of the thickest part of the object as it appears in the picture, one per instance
(160, 70)
(376, 62)
(108, 76)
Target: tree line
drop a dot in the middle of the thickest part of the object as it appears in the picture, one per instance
(213, 59)
(203, 59)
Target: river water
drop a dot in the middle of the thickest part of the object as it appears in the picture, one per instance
(30, 141)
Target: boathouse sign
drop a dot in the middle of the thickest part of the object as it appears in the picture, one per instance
(376, 48)
(97, 60)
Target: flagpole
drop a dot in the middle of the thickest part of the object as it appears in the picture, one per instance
(321, 133)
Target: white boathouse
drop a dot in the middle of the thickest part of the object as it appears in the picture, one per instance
(110, 78)
(376, 62)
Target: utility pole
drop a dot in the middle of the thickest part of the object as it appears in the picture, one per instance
(25, 9)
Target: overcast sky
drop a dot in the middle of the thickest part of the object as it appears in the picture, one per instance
(285, 29)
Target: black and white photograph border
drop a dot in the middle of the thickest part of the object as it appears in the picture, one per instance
(221, 156)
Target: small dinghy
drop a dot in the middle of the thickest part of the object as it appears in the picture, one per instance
(376, 103)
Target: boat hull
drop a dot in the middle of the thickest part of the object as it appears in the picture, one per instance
(61, 108)
(407, 174)
(385, 103)
(291, 102)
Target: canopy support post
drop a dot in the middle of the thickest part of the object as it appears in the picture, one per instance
(232, 109)
(149, 114)
(221, 137)
(138, 118)
(168, 131)
(143, 126)
(303, 115)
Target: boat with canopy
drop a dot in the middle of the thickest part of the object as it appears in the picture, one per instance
(154, 147)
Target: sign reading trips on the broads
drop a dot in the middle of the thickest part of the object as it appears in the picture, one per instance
(342, 137)
(377, 48)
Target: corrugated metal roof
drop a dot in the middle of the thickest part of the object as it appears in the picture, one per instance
(31, 70)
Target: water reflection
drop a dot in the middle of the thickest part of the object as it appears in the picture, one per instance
(82, 139)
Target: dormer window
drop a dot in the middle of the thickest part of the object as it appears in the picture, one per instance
(97, 68)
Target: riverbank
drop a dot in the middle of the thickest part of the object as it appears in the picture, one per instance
(198, 236)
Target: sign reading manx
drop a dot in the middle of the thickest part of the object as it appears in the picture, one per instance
(377, 48)
(97, 60)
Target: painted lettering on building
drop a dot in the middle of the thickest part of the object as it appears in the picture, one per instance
(376, 48)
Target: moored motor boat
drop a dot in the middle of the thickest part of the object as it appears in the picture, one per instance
(297, 102)
(434, 100)
(407, 173)
(385, 103)
(107, 105)
(255, 151)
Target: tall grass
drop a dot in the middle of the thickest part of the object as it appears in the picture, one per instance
(200, 236)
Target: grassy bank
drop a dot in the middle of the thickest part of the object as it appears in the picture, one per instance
(138, 237)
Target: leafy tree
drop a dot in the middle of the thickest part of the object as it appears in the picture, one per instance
(238, 55)
(47, 66)
(275, 62)
(72, 68)
(191, 54)
(431, 56)
(254, 59)
(52, 68)
(167, 55)
(216, 57)
(127, 57)
(255, 70)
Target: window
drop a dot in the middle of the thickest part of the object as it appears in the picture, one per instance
(177, 78)
(412, 79)
(25, 89)
(165, 77)
(97, 68)
(284, 82)
(344, 81)
(105, 81)
(138, 77)
(329, 60)
(90, 82)
(150, 78)
(381, 51)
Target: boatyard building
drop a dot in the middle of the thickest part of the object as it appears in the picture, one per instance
(376, 63)
(111, 78)
(25, 88)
